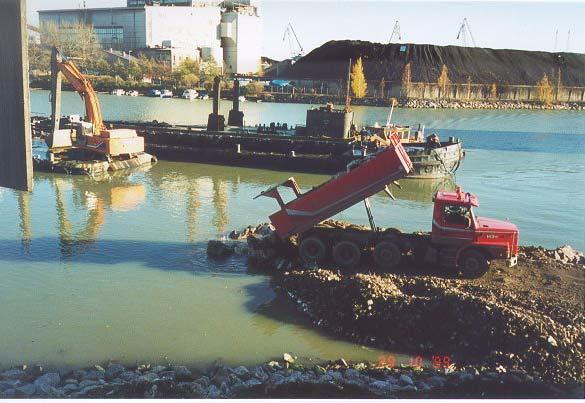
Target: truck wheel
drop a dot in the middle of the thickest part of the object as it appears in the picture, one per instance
(473, 264)
(312, 249)
(346, 254)
(387, 255)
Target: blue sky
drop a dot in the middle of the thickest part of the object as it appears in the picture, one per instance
(494, 24)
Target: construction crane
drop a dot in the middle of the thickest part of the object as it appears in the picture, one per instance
(465, 29)
(568, 48)
(396, 32)
(296, 49)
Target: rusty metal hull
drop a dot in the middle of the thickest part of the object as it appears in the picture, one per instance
(436, 163)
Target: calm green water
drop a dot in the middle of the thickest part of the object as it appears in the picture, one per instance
(116, 268)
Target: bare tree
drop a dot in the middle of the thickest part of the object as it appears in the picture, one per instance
(443, 81)
(406, 80)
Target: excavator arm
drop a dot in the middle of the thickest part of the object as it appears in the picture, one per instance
(104, 141)
(60, 64)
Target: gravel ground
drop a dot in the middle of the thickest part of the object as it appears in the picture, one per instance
(528, 318)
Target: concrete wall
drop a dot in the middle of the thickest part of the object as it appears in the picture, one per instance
(187, 28)
(184, 27)
(473, 92)
(241, 39)
(131, 20)
(461, 92)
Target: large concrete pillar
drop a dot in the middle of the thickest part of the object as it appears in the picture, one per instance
(15, 130)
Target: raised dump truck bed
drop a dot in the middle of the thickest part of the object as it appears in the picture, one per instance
(459, 239)
(340, 192)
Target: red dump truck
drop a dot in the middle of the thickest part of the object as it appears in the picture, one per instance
(459, 239)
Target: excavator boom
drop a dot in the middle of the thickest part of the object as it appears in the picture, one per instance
(99, 139)
(82, 86)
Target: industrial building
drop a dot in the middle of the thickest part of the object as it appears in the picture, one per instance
(172, 30)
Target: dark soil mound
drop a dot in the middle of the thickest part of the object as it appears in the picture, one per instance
(472, 323)
(484, 66)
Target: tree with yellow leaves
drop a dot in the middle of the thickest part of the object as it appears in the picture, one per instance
(545, 90)
(443, 81)
(359, 87)
(493, 91)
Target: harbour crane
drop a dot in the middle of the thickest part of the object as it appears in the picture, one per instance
(296, 49)
(464, 29)
(396, 32)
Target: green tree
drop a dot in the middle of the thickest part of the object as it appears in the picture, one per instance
(253, 88)
(76, 41)
(187, 73)
(134, 71)
(545, 90)
(208, 71)
(120, 70)
(103, 68)
(359, 86)
(39, 58)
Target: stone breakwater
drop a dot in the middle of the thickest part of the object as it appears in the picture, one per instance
(448, 104)
(418, 103)
(283, 378)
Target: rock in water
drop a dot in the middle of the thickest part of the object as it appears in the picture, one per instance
(219, 249)
(50, 379)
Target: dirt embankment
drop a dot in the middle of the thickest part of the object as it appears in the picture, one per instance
(482, 65)
(528, 318)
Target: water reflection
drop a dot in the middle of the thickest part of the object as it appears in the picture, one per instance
(24, 199)
(422, 190)
(81, 206)
(220, 204)
(193, 205)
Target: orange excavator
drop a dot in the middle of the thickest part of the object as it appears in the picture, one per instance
(90, 135)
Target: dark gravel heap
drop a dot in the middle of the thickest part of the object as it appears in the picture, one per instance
(483, 65)
(473, 323)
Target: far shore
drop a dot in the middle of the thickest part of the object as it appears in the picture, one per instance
(410, 103)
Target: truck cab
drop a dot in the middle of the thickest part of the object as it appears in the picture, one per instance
(467, 241)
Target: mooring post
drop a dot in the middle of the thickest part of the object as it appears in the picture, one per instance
(216, 95)
(15, 130)
(236, 117)
(216, 122)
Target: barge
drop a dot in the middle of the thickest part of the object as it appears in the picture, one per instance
(326, 144)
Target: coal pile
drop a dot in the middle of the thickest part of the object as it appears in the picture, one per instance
(482, 65)
(475, 324)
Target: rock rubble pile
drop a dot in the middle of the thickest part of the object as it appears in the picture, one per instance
(284, 378)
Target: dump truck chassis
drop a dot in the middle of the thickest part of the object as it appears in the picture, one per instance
(389, 249)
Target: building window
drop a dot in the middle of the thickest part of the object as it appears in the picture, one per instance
(110, 37)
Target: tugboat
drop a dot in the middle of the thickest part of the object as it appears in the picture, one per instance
(431, 158)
